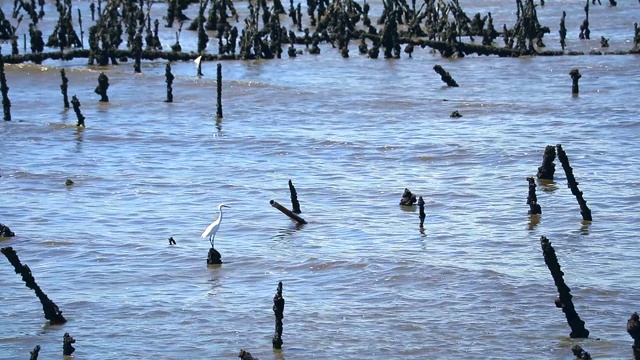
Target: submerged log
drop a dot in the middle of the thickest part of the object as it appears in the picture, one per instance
(51, 310)
(287, 212)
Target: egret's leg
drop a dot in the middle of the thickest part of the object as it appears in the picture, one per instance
(211, 239)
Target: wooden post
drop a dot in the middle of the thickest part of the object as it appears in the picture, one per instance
(287, 212)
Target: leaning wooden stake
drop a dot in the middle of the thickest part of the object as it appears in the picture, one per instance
(564, 300)
(278, 310)
(573, 184)
(295, 205)
(51, 310)
(444, 75)
(287, 212)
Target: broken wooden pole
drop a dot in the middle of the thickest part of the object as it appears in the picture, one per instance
(408, 198)
(422, 215)
(278, 310)
(295, 205)
(219, 86)
(67, 347)
(575, 76)
(548, 168)
(573, 184)
(444, 75)
(4, 88)
(63, 88)
(287, 212)
(564, 300)
(51, 310)
(76, 107)
(532, 199)
(34, 353)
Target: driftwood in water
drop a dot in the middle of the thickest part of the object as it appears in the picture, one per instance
(633, 328)
(278, 310)
(573, 184)
(51, 310)
(564, 300)
(295, 205)
(287, 212)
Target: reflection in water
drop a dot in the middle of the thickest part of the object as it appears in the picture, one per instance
(278, 355)
(285, 233)
(584, 228)
(534, 220)
(547, 185)
(219, 124)
(79, 138)
(216, 286)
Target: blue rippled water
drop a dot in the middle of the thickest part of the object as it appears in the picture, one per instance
(361, 280)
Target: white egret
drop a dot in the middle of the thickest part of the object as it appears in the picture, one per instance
(212, 229)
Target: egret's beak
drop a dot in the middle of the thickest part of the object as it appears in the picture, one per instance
(226, 206)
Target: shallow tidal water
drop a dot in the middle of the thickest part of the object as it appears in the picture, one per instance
(361, 280)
